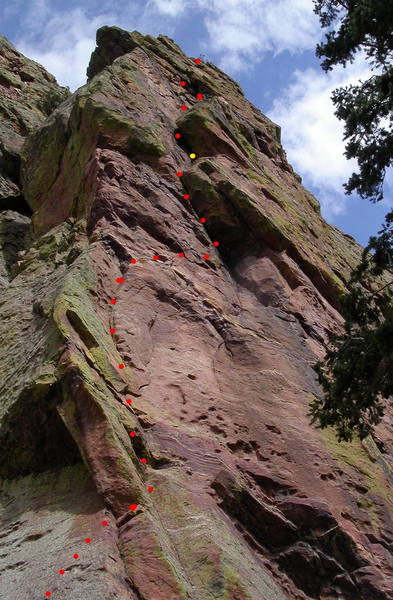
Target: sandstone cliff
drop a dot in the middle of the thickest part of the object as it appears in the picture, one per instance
(28, 94)
(158, 330)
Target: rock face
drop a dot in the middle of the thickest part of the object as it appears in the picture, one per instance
(155, 386)
(28, 94)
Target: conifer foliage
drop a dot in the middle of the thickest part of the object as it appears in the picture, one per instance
(357, 373)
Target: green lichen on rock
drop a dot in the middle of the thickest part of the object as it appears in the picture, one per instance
(75, 315)
(353, 455)
(122, 133)
(152, 548)
(205, 197)
(55, 158)
(272, 228)
(9, 78)
(105, 53)
(198, 125)
(293, 219)
(233, 586)
(216, 195)
(203, 126)
(178, 63)
(31, 94)
(376, 455)
(243, 142)
(207, 554)
(42, 484)
(41, 157)
(89, 396)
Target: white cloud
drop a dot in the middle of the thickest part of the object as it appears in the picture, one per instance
(235, 33)
(172, 8)
(66, 42)
(292, 25)
(63, 40)
(313, 136)
(240, 32)
(238, 35)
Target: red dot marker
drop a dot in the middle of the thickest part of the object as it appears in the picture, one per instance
(215, 243)
(186, 196)
(112, 330)
(179, 173)
(128, 400)
(156, 257)
(76, 555)
(87, 540)
(133, 261)
(143, 460)
(150, 489)
(182, 83)
(120, 280)
(61, 571)
(197, 60)
(132, 434)
(203, 220)
(199, 96)
(178, 136)
(184, 107)
(133, 506)
(48, 593)
(121, 366)
(104, 523)
(181, 255)
(206, 256)
(113, 300)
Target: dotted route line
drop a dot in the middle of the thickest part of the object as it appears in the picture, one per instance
(133, 507)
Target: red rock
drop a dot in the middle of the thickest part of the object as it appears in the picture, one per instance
(250, 501)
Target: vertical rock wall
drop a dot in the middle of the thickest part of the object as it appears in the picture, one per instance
(157, 342)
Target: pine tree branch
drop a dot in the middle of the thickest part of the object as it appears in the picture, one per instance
(382, 288)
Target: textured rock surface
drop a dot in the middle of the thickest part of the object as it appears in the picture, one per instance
(28, 94)
(14, 236)
(249, 501)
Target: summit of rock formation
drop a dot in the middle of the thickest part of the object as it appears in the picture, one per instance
(165, 295)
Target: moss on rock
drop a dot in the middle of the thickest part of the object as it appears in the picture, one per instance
(122, 133)
(353, 456)
(112, 42)
(76, 318)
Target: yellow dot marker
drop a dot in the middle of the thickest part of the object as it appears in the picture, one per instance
(192, 155)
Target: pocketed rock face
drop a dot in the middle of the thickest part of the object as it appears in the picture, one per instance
(249, 501)
(28, 94)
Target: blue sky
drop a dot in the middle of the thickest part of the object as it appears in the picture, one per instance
(268, 46)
